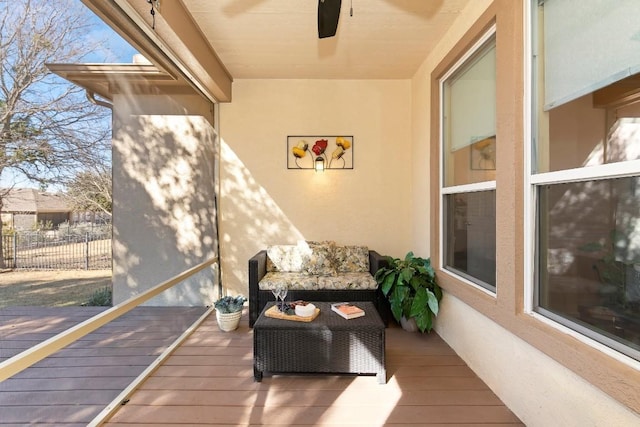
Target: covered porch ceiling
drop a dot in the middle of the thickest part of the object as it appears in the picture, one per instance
(210, 43)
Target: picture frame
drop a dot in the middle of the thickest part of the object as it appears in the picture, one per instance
(335, 150)
(483, 154)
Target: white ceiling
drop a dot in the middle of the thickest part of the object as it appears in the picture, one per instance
(384, 39)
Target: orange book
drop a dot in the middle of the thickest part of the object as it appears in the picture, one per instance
(347, 310)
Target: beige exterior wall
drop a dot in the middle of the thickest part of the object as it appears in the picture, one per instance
(546, 376)
(538, 389)
(163, 213)
(264, 203)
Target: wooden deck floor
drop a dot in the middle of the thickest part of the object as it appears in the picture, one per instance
(72, 386)
(209, 381)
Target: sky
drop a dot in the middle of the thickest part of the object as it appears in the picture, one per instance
(114, 50)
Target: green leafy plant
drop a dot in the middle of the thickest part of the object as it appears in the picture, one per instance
(411, 288)
(101, 298)
(230, 304)
(615, 262)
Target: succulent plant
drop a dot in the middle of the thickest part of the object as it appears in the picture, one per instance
(230, 304)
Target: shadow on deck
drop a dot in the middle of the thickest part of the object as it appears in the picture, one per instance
(209, 379)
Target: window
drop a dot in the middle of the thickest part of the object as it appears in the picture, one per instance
(586, 168)
(470, 230)
(469, 165)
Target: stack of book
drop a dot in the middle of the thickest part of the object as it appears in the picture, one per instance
(347, 310)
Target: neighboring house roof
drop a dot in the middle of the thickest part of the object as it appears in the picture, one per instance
(32, 200)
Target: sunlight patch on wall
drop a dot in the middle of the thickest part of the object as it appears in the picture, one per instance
(249, 217)
(169, 175)
(163, 203)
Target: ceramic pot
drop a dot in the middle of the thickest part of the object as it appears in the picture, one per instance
(228, 321)
(409, 324)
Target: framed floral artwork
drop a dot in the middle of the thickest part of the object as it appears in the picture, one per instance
(336, 151)
(483, 154)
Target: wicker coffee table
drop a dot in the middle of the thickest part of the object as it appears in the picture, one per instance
(328, 344)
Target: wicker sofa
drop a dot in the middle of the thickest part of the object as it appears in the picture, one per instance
(316, 271)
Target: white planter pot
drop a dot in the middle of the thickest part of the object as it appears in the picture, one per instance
(228, 321)
(409, 324)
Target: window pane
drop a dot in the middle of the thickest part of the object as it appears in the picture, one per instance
(588, 45)
(469, 119)
(589, 256)
(470, 236)
(587, 103)
(582, 134)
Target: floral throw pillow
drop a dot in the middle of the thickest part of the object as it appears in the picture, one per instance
(320, 260)
(285, 258)
(352, 259)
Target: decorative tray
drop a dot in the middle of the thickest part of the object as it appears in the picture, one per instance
(277, 314)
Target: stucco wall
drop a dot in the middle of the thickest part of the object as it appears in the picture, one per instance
(163, 213)
(541, 391)
(264, 203)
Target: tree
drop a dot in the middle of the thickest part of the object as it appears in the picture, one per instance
(90, 190)
(48, 129)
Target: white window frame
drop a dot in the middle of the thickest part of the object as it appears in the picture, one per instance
(465, 188)
(533, 181)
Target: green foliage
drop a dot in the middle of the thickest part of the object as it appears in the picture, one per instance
(101, 298)
(230, 304)
(43, 225)
(411, 288)
(613, 265)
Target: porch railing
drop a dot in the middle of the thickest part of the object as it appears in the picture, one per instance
(29, 357)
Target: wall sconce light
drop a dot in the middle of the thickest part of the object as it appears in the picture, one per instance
(319, 164)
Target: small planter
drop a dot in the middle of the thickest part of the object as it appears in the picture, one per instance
(228, 321)
(229, 312)
(409, 325)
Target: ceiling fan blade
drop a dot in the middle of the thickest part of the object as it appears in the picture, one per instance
(328, 16)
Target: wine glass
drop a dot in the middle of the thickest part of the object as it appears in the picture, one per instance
(276, 293)
(282, 294)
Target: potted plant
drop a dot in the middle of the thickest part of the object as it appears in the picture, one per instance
(411, 288)
(618, 269)
(229, 312)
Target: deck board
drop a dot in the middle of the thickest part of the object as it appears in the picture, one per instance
(73, 385)
(209, 381)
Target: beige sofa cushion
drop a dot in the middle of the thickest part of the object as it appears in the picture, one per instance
(318, 265)
(347, 281)
(290, 280)
(302, 281)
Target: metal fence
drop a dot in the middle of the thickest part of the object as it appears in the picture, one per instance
(58, 250)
